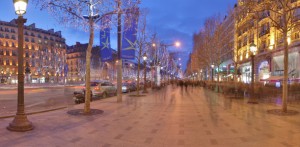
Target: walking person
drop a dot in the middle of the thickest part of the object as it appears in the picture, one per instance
(186, 85)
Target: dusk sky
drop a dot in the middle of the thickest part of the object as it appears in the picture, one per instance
(172, 20)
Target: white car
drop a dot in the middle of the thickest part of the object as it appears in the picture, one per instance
(103, 89)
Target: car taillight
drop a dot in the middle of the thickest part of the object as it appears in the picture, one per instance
(96, 88)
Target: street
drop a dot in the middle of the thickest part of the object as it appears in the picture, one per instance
(168, 117)
(36, 99)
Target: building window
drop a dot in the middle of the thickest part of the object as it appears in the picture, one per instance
(13, 37)
(14, 53)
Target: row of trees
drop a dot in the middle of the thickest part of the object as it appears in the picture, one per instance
(85, 14)
(283, 16)
(214, 44)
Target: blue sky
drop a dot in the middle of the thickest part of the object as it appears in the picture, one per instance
(172, 20)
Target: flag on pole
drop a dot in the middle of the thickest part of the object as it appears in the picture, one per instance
(105, 48)
(130, 33)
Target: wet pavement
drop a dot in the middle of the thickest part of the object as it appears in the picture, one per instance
(170, 117)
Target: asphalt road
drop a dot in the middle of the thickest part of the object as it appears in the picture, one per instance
(37, 99)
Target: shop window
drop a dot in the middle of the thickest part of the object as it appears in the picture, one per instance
(297, 35)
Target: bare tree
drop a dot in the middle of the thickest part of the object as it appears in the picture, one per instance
(142, 45)
(208, 44)
(72, 12)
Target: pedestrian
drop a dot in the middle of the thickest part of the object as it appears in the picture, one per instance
(186, 85)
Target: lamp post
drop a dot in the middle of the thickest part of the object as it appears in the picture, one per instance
(20, 122)
(212, 72)
(2, 80)
(253, 50)
(145, 73)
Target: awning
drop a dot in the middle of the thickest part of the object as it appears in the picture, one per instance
(273, 79)
(35, 76)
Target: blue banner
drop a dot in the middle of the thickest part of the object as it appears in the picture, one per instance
(66, 69)
(130, 34)
(105, 48)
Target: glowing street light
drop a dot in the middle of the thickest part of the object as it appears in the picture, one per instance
(177, 44)
(253, 50)
(20, 122)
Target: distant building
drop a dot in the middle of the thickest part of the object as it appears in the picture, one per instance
(44, 54)
(76, 60)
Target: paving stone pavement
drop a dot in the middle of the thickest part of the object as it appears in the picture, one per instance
(170, 117)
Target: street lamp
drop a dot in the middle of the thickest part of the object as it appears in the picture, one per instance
(177, 44)
(2, 80)
(212, 72)
(145, 73)
(20, 122)
(253, 50)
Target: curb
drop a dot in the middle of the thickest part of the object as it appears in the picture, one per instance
(36, 112)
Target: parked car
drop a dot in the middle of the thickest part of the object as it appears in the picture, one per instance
(102, 89)
(128, 87)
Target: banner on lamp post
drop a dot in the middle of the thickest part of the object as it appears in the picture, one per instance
(130, 34)
(105, 48)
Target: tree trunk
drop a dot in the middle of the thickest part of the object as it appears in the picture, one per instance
(285, 74)
(87, 108)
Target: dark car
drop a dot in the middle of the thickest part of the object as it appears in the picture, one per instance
(80, 98)
(128, 87)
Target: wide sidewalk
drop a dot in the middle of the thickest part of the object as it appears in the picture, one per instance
(170, 117)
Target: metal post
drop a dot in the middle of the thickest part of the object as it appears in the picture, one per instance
(212, 74)
(119, 63)
(145, 81)
(2, 80)
(252, 99)
(20, 122)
